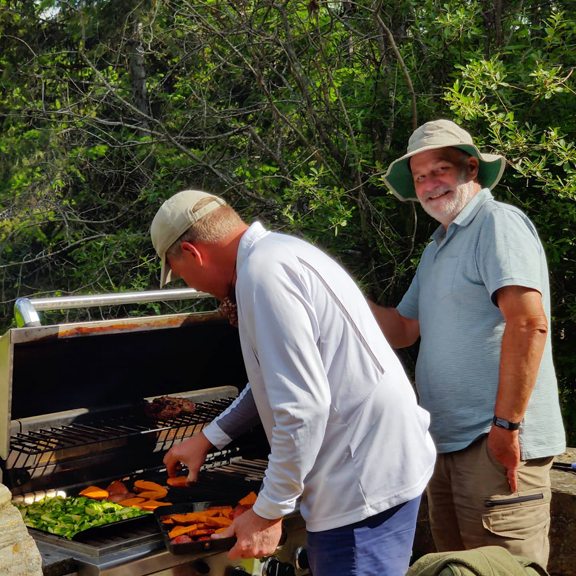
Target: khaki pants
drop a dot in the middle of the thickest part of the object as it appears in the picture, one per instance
(471, 504)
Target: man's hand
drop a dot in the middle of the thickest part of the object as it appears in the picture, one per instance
(191, 452)
(506, 449)
(256, 536)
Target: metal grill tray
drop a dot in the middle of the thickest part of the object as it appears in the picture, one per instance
(192, 547)
(107, 531)
(235, 480)
(115, 529)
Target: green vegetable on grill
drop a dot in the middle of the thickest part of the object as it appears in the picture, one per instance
(68, 516)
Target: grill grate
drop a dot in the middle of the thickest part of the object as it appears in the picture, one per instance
(111, 429)
(64, 455)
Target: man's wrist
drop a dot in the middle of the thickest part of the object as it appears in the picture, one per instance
(506, 424)
(264, 519)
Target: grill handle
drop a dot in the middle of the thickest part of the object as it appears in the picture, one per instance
(26, 309)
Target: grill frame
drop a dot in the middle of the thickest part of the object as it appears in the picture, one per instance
(31, 436)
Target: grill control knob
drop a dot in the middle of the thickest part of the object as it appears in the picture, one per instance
(201, 567)
(301, 558)
(273, 567)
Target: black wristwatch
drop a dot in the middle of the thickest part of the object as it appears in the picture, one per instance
(501, 423)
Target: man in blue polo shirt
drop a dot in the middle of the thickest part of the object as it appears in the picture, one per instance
(480, 302)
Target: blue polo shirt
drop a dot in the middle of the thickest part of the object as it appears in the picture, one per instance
(488, 246)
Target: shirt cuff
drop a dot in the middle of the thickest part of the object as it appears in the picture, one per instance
(216, 436)
(270, 510)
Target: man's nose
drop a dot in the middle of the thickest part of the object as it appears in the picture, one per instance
(431, 183)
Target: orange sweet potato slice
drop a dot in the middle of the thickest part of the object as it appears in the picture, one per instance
(181, 519)
(146, 486)
(218, 522)
(152, 505)
(190, 518)
(248, 500)
(181, 530)
(210, 512)
(153, 494)
(226, 512)
(95, 493)
(132, 502)
(218, 530)
(178, 481)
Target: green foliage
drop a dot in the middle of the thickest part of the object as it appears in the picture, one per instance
(290, 111)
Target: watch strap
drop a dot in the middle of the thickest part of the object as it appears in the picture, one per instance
(507, 425)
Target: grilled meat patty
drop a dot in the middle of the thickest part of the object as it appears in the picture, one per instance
(168, 407)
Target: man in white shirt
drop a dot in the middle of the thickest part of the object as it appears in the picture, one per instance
(346, 434)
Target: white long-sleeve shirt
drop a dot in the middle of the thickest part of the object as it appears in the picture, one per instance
(345, 431)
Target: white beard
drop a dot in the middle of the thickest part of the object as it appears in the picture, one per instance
(446, 211)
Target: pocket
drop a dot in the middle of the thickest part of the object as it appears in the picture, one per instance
(445, 274)
(518, 517)
(514, 500)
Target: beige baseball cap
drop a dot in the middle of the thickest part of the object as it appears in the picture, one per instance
(173, 218)
(440, 134)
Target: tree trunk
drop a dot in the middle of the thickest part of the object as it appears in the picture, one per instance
(138, 78)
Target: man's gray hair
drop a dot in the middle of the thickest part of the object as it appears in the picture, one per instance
(210, 229)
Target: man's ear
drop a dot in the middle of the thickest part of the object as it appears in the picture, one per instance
(473, 166)
(191, 250)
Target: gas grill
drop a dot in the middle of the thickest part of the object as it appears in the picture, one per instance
(72, 415)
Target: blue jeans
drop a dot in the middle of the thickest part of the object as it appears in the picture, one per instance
(378, 546)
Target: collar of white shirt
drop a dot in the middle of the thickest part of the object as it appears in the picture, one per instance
(250, 237)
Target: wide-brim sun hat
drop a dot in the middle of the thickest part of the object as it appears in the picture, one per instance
(174, 218)
(440, 134)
